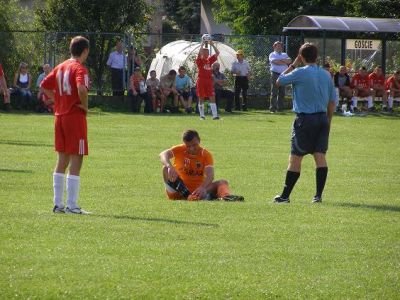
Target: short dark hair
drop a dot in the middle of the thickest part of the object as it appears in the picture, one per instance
(182, 68)
(152, 71)
(78, 45)
(189, 135)
(172, 72)
(309, 52)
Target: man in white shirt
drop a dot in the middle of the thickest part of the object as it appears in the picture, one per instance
(279, 62)
(117, 62)
(241, 70)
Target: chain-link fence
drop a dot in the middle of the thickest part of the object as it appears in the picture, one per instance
(37, 48)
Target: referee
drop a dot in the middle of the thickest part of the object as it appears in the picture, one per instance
(313, 103)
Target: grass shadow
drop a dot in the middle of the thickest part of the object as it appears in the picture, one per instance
(15, 171)
(24, 143)
(381, 207)
(162, 220)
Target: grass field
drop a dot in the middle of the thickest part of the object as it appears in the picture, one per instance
(138, 245)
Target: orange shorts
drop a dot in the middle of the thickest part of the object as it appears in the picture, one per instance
(204, 89)
(71, 134)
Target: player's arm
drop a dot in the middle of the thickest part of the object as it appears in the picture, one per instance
(215, 48)
(201, 47)
(165, 158)
(201, 191)
(83, 96)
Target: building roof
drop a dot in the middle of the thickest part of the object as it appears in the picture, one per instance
(343, 24)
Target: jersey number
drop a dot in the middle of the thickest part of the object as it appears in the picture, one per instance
(64, 87)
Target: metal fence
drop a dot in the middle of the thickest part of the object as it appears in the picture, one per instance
(37, 48)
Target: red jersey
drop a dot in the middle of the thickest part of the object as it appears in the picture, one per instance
(1, 71)
(392, 82)
(359, 80)
(205, 69)
(64, 80)
(375, 79)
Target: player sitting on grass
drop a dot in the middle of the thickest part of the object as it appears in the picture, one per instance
(190, 176)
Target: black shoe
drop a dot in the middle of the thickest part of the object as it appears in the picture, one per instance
(279, 199)
(216, 118)
(317, 199)
(232, 198)
(58, 210)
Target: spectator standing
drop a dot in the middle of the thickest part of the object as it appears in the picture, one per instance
(279, 62)
(220, 82)
(138, 92)
(168, 89)
(3, 87)
(68, 84)
(22, 84)
(342, 84)
(313, 102)
(204, 84)
(154, 90)
(184, 88)
(393, 88)
(377, 84)
(117, 62)
(133, 60)
(241, 70)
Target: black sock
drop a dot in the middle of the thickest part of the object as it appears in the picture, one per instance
(291, 179)
(320, 176)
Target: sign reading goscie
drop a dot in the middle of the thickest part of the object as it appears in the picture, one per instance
(363, 44)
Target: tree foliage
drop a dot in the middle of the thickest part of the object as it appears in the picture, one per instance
(93, 16)
(269, 17)
(185, 13)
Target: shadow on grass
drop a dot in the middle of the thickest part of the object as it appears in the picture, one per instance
(24, 143)
(177, 222)
(15, 171)
(381, 207)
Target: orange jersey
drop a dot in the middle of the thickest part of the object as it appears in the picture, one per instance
(375, 79)
(359, 80)
(64, 80)
(191, 167)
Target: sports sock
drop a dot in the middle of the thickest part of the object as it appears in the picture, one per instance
(370, 103)
(58, 188)
(223, 190)
(290, 181)
(72, 191)
(390, 101)
(214, 111)
(201, 109)
(354, 101)
(320, 176)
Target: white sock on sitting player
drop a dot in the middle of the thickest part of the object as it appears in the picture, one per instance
(214, 110)
(354, 101)
(370, 103)
(390, 101)
(201, 109)
(72, 191)
(58, 187)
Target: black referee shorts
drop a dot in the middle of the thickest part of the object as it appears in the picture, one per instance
(310, 134)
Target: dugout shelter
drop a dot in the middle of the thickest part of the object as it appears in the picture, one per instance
(370, 35)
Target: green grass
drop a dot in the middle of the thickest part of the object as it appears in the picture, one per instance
(138, 245)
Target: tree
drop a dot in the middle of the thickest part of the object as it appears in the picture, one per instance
(106, 16)
(185, 13)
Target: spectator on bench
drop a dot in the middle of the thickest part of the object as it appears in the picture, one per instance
(184, 86)
(220, 81)
(361, 87)
(22, 85)
(138, 92)
(342, 84)
(393, 88)
(153, 88)
(168, 89)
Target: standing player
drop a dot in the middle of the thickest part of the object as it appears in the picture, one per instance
(3, 86)
(204, 84)
(191, 175)
(68, 85)
(313, 102)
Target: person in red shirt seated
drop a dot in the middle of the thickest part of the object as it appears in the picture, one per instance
(360, 85)
(377, 84)
(393, 88)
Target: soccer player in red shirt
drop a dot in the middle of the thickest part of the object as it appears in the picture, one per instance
(377, 84)
(360, 85)
(68, 85)
(3, 86)
(204, 84)
(393, 88)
